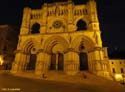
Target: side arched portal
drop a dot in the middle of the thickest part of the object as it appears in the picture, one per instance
(30, 55)
(83, 46)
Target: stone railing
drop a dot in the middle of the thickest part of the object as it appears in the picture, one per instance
(36, 14)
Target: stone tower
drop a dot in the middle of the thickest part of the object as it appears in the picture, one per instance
(61, 36)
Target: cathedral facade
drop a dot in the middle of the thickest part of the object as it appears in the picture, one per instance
(61, 36)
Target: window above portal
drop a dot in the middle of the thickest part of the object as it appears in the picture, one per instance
(35, 28)
(81, 25)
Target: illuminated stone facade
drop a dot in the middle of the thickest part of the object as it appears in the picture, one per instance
(117, 67)
(61, 36)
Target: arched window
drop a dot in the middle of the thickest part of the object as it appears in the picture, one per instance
(35, 28)
(81, 25)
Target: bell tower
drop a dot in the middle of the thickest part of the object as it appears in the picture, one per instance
(94, 23)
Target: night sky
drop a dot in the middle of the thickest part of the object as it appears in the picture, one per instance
(111, 16)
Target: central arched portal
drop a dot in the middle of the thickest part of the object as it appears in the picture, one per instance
(83, 61)
(56, 45)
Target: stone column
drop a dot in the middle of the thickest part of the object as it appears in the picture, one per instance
(71, 63)
(42, 64)
(27, 60)
(56, 61)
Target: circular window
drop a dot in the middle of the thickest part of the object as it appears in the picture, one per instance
(57, 24)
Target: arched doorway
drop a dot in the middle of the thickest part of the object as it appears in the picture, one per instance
(56, 45)
(60, 61)
(53, 62)
(83, 61)
(32, 62)
(83, 58)
(57, 61)
(83, 45)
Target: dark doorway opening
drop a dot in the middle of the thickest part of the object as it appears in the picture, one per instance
(81, 25)
(57, 61)
(35, 28)
(53, 62)
(83, 61)
(60, 61)
(32, 62)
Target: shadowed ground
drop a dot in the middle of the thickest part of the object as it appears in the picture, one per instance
(10, 82)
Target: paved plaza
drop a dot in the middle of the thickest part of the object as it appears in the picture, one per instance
(10, 83)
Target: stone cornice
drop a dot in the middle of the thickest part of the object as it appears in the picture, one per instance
(20, 51)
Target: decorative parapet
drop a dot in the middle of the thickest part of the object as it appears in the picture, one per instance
(36, 14)
(60, 9)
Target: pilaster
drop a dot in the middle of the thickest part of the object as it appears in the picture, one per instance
(43, 28)
(100, 63)
(70, 18)
(19, 62)
(42, 64)
(71, 63)
(25, 21)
